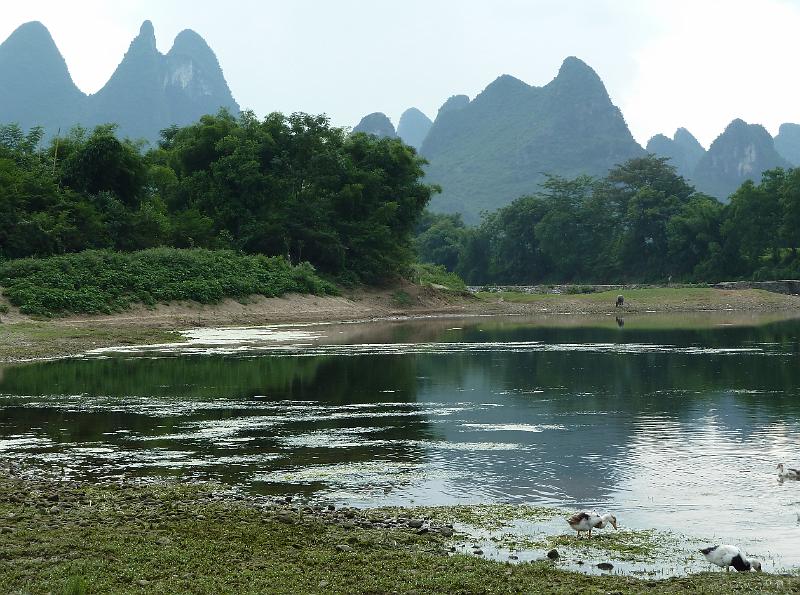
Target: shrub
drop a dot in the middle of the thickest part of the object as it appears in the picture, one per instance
(102, 281)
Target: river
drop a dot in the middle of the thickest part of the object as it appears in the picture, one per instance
(673, 422)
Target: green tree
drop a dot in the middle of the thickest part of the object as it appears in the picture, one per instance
(106, 164)
(440, 239)
(694, 239)
(752, 223)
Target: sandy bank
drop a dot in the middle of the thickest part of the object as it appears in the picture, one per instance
(22, 337)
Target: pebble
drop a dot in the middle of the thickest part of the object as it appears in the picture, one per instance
(323, 584)
(478, 552)
(343, 548)
(513, 557)
(446, 531)
(415, 523)
(285, 518)
(605, 566)
(142, 582)
(553, 554)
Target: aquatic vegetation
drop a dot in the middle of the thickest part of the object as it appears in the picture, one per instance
(478, 516)
(642, 545)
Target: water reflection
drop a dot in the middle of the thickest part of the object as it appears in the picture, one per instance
(672, 422)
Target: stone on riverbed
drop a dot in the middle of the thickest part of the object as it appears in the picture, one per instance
(285, 518)
(415, 523)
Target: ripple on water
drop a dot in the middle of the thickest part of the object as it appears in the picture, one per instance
(269, 343)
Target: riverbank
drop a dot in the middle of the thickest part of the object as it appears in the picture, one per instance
(121, 537)
(24, 337)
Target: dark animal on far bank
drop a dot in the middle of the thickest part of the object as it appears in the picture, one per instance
(620, 301)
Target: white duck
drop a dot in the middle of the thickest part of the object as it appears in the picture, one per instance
(586, 520)
(784, 473)
(726, 556)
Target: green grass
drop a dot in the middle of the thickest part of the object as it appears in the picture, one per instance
(176, 538)
(101, 281)
(652, 295)
(433, 274)
(35, 340)
(655, 299)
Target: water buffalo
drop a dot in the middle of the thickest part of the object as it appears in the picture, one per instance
(620, 301)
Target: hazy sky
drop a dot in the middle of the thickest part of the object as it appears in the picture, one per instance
(666, 63)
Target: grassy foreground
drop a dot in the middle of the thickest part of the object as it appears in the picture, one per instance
(67, 537)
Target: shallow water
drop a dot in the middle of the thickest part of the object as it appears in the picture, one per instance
(674, 423)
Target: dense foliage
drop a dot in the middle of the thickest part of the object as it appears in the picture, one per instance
(293, 186)
(642, 222)
(105, 281)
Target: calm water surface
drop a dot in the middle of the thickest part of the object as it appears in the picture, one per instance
(674, 423)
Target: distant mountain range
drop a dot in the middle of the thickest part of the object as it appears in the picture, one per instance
(495, 148)
(742, 152)
(683, 150)
(148, 91)
(484, 152)
(377, 124)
